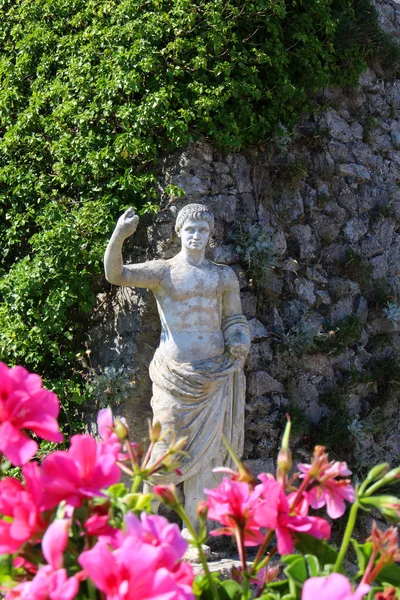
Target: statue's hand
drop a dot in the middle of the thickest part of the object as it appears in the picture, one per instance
(239, 351)
(127, 223)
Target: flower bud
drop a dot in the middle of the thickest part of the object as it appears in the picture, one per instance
(154, 431)
(121, 429)
(389, 506)
(284, 460)
(245, 475)
(286, 433)
(168, 494)
(265, 575)
(237, 574)
(392, 476)
(377, 471)
(176, 446)
(389, 593)
(202, 510)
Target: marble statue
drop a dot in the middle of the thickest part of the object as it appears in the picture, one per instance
(197, 370)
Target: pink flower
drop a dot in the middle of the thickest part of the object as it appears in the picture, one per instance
(97, 525)
(267, 511)
(21, 504)
(24, 404)
(121, 577)
(325, 486)
(333, 587)
(183, 574)
(236, 505)
(159, 533)
(289, 521)
(21, 563)
(55, 541)
(105, 425)
(48, 584)
(107, 430)
(51, 581)
(82, 471)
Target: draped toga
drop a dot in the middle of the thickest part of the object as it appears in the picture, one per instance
(201, 400)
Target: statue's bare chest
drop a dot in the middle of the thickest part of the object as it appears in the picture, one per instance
(180, 283)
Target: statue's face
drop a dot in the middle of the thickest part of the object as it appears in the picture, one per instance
(195, 234)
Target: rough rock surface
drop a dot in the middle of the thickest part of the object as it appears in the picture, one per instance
(323, 346)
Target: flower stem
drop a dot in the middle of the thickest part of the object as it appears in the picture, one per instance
(91, 589)
(196, 542)
(148, 455)
(130, 454)
(239, 534)
(378, 567)
(374, 487)
(308, 478)
(262, 548)
(369, 566)
(137, 480)
(347, 536)
(241, 548)
(266, 560)
(124, 468)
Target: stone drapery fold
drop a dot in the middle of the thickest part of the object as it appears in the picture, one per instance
(201, 400)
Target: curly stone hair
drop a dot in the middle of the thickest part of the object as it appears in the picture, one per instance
(194, 211)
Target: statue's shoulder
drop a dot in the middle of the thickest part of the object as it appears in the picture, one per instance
(227, 275)
(158, 266)
(157, 263)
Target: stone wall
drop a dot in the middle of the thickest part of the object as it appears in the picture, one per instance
(325, 348)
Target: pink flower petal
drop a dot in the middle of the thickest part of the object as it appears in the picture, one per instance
(285, 541)
(105, 423)
(55, 541)
(333, 587)
(16, 446)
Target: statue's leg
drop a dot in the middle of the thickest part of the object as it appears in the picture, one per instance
(193, 489)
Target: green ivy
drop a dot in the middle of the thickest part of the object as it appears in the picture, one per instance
(92, 93)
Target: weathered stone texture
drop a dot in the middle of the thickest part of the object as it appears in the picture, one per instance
(335, 233)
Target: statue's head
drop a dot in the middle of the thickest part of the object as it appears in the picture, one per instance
(194, 225)
(195, 212)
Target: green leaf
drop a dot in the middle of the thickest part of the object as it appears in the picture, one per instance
(288, 559)
(6, 569)
(118, 490)
(282, 585)
(6, 563)
(206, 594)
(308, 544)
(313, 567)
(390, 574)
(232, 589)
(302, 568)
(363, 553)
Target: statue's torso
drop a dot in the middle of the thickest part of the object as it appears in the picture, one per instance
(190, 306)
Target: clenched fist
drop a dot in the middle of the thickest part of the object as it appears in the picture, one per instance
(127, 223)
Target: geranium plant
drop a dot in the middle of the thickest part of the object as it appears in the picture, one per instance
(69, 529)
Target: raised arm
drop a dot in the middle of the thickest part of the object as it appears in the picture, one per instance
(147, 275)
